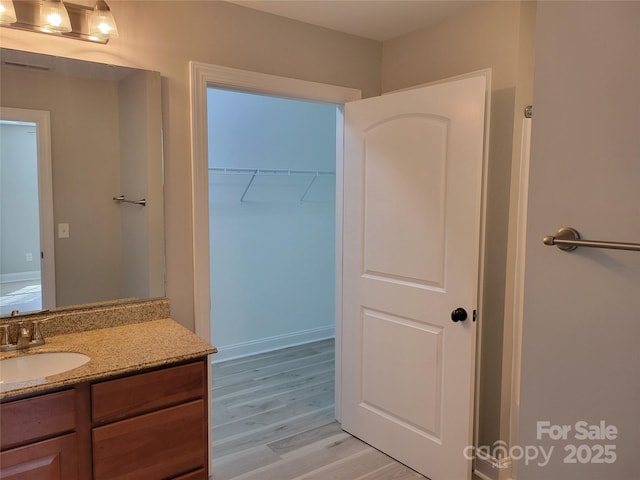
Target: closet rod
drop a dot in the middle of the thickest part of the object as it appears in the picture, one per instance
(567, 238)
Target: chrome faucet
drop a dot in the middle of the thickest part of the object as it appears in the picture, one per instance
(25, 338)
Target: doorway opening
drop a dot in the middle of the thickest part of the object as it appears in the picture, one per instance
(474, 90)
(272, 204)
(203, 77)
(27, 279)
(272, 219)
(20, 276)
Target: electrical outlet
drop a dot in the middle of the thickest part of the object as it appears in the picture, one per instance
(29, 257)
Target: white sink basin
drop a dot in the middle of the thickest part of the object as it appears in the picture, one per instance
(39, 365)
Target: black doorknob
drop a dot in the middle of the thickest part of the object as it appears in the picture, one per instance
(459, 315)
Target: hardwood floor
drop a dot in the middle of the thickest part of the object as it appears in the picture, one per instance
(24, 296)
(273, 419)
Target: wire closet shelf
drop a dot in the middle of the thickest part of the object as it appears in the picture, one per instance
(256, 172)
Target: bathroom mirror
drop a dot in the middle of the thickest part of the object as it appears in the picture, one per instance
(63, 234)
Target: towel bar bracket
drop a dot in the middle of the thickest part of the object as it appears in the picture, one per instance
(563, 234)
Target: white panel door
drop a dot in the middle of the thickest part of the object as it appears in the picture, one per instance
(412, 210)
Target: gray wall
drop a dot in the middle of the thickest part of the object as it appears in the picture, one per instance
(141, 176)
(164, 36)
(86, 171)
(105, 140)
(582, 309)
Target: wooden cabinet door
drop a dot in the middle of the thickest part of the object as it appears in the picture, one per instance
(53, 459)
(162, 444)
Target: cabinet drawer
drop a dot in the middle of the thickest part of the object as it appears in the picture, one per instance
(50, 459)
(23, 421)
(162, 444)
(145, 392)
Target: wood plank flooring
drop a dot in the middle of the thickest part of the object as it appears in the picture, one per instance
(273, 419)
(24, 296)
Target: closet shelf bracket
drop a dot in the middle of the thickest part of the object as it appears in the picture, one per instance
(246, 189)
(308, 188)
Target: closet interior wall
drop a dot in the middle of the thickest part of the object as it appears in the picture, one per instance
(272, 221)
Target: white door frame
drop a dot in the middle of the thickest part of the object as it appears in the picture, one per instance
(202, 76)
(519, 270)
(45, 196)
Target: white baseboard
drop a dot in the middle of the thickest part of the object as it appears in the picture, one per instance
(20, 276)
(261, 345)
(490, 468)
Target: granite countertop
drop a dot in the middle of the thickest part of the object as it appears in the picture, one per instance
(113, 351)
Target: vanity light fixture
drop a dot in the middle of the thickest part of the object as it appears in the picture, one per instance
(101, 23)
(95, 24)
(54, 17)
(7, 12)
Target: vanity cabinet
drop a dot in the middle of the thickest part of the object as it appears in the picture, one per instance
(38, 437)
(149, 425)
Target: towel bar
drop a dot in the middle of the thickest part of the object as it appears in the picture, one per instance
(122, 199)
(567, 239)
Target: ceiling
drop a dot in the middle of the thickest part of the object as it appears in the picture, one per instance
(378, 20)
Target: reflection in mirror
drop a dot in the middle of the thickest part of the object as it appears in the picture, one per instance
(27, 277)
(105, 141)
